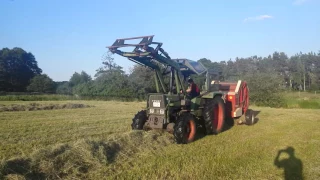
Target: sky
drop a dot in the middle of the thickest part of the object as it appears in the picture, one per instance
(71, 36)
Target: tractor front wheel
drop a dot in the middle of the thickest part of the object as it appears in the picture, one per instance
(214, 115)
(139, 120)
(185, 129)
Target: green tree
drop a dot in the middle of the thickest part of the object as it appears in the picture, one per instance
(142, 80)
(41, 83)
(84, 89)
(17, 68)
(79, 78)
(113, 83)
(63, 88)
(108, 65)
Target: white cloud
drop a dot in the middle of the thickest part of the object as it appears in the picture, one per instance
(299, 2)
(258, 18)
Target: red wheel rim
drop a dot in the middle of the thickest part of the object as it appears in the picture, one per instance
(244, 97)
(218, 117)
(191, 130)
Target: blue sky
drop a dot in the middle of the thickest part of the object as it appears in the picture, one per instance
(71, 36)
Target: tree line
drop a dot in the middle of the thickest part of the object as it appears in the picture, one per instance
(19, 72)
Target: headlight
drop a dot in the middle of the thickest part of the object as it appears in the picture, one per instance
(161, 111)
(151, 110)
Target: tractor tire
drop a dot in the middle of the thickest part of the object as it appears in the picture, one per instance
(139, 120)
(185, 129)
(214, 115)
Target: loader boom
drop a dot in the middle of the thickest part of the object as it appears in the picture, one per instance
(156, 58)
(146, 56)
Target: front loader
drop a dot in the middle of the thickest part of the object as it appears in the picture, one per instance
(171, 107)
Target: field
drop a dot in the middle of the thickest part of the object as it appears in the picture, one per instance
(97, 143)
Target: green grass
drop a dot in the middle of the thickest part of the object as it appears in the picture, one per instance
(304, 100)
(97, 143)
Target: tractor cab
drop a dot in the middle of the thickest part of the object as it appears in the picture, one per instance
(189, 67)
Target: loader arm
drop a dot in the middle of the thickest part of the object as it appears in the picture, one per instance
(156, 58)
(147, 55)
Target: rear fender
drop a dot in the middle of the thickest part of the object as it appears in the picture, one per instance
(212, 95)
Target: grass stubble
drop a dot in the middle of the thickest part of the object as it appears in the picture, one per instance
(97, 143)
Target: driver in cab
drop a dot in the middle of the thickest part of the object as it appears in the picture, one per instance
(193, 90)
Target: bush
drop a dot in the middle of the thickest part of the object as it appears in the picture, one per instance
(274, 100)
(265, 90)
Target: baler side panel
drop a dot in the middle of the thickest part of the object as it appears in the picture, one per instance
(231, 99)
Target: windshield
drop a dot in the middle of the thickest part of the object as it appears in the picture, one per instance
(198, 67)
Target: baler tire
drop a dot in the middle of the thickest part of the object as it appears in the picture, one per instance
(139, 120)
(214, 118)
(249, 117)
(181, 132)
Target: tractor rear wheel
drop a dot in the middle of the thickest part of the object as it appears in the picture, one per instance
(139, 120)
(185, 129)
(214, 115)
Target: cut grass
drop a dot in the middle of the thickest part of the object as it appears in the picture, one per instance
(97, 143)
(59, 97)
(35, 97)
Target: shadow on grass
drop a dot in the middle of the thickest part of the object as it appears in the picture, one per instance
(201, 133)
(291, 165)
(229, 123)
(21, 167)
(244, 119)
(255, 115)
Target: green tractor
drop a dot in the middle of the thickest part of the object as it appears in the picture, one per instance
(171, 107)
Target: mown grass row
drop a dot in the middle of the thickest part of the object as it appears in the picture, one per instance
(88, 158)
(58, 97)
(37, 106)
(44, 97)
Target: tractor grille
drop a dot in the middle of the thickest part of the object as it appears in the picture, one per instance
(157, 101)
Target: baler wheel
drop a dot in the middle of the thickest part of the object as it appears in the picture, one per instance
(185, 129)
(249, 117)
(139, 120)
(214, 115)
